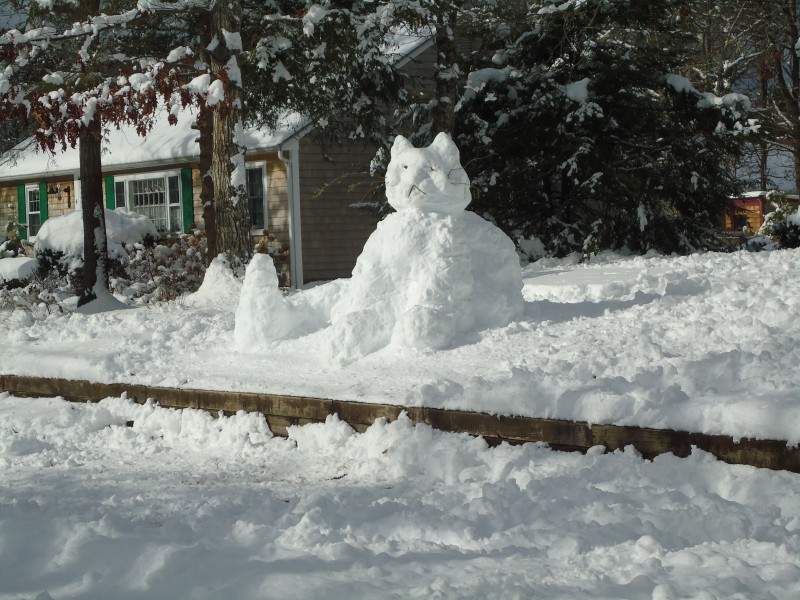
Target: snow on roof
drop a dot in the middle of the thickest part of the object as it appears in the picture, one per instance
(124, 148)
(404, 45)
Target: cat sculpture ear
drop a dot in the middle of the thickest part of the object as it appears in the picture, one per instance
(400, 145)
(443, 145)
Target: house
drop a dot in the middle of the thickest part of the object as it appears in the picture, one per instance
(749, 211)
(300, 195)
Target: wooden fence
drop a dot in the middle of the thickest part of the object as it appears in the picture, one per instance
(284, 411)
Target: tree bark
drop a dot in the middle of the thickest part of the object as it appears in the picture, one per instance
(232, 212)
(446, 75)
(207, 188)
(205, 141)
(95, 244)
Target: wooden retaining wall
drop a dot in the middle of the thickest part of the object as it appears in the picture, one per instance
(283, 411)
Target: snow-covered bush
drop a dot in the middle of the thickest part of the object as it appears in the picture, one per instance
(161, 272)
(783, 223)
(59, 242)
(12, 245)
(147, 273)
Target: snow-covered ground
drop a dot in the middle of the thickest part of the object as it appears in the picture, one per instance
(119, 500)
(707, 343)
(16, 267)
(181, 505)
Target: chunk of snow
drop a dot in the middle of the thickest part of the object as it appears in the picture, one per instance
(16, 267)
(64, 234)
(578, 91)
(262, 315)
(220, 288)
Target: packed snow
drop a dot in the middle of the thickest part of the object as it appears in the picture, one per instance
(707, 343)
(122, 500)
(16, 267)
(118, 500)
(63, 235)
(429, 275)
(434, 316)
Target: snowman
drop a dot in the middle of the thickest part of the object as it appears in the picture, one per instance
(432, 275)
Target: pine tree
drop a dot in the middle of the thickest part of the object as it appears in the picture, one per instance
(198, 52)
(578, 132)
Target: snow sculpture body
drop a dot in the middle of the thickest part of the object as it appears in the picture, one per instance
(432, 271)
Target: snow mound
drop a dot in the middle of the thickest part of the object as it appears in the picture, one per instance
(16, 267)
(64, 234)
(263, 315)
(220, 288)
(431, 271)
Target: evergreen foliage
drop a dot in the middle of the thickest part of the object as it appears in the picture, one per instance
(576, 133)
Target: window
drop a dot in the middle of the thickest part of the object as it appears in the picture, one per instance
(157, 196)
(33, 205)
(255, 196)
(119, 194)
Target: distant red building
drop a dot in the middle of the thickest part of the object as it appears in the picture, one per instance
(749, 211)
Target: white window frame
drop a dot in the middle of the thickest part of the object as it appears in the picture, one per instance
(165, 175)
(259, 164)
(32, 188)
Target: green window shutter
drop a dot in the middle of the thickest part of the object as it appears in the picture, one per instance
(43, 208)
(187, 200)
(111, 201)
(22, 212)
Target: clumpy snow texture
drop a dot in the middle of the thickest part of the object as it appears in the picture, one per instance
(431, 276)
(431, 273)
(64, 234)
(707, 343)
(220, 288)
(126, 501)
(262, 314)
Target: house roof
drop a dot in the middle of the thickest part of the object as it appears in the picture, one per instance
(123, 148)
(168, 144)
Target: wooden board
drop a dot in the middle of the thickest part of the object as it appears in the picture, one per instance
(284, 411)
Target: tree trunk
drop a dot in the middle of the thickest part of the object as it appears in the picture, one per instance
(446, 73)
(206, 130)
(207, 187)
(95, 244)
(232, 212)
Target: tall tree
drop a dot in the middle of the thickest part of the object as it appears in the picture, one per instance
(286, 39)
(580, 132)
(781, 74)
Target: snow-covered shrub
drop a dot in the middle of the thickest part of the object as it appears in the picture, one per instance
(783, 223)
(41, 295)
(59, 242)
(162, 272)
(12, 245)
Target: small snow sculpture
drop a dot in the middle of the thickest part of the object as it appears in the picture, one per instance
(427, 179)
(431, 271)
(262, 315)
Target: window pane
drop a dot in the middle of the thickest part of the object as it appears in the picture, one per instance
(119, 194)
(34, 222)
(174, 191)
(175, 219)
(33, 201)
(34, 217)
(255, 195)
(149, 197)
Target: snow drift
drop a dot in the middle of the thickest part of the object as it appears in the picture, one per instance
(64, 235)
